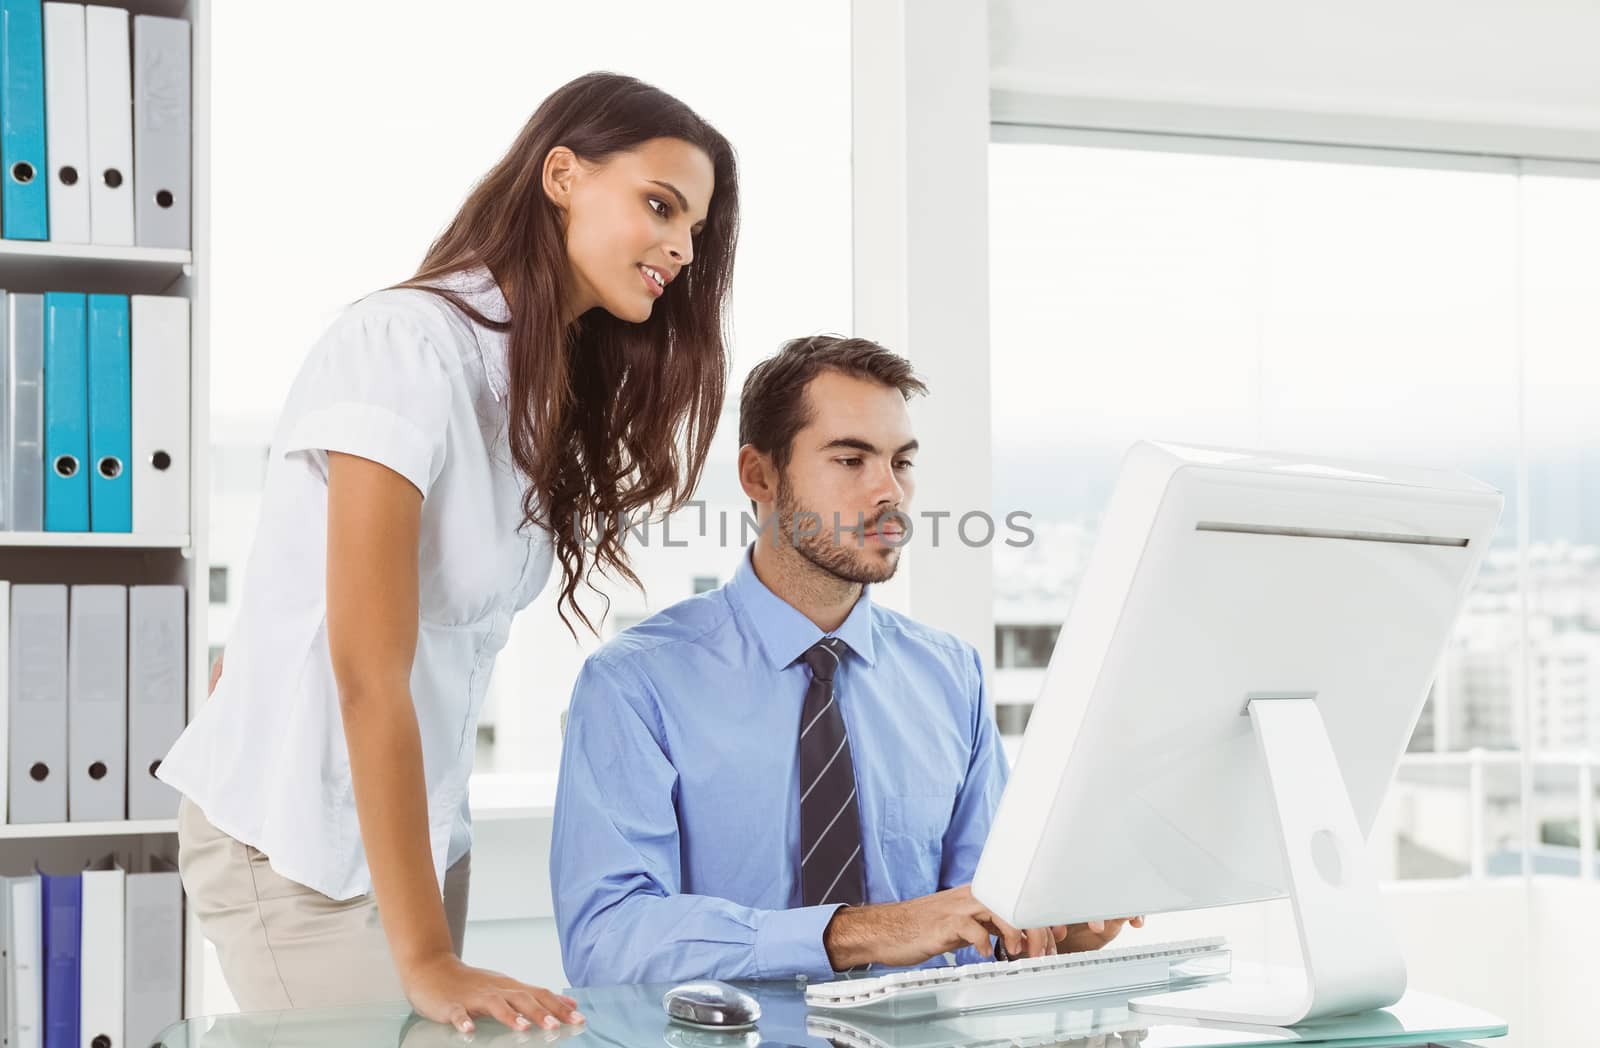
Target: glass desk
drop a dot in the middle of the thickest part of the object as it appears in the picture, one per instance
(632, 1017)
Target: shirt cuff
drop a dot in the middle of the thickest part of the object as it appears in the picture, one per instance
(789, 943)
(370, 432)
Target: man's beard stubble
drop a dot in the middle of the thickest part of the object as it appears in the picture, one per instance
(855, 564)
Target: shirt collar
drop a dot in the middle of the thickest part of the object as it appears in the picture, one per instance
(479, 289)
(783, 632)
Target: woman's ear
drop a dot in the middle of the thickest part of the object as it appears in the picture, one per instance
(560, 171)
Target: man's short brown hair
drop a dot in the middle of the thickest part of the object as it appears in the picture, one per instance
(773, 406)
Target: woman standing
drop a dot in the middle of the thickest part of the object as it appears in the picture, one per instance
(555, 362)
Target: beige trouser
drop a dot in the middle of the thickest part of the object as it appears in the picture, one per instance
(281, 944)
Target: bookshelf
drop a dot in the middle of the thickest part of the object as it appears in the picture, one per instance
(133, 559)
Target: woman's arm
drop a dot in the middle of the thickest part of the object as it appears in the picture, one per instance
(374, 516)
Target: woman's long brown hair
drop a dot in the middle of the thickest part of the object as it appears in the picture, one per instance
(607, 417)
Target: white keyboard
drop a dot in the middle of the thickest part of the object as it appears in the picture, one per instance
(997, 984)
(1036, 1027)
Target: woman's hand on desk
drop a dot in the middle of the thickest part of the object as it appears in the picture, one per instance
(447, 991)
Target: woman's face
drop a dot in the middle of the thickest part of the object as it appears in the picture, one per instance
(631, 223)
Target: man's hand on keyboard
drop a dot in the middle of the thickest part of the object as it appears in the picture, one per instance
(1075, 938)
(1066, 938)
(1040, 942)
(910, 932)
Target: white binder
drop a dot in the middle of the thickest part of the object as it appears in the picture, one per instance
(5, 691)
(6, 1030)
(97, 704)
(5, 415)
(156, 695)
(24, 412)
(66, 106)
(161, 131)
(110, 84)
(160, 361)
(153, 966)
(38, 704)
(100, 956)
(24, 973)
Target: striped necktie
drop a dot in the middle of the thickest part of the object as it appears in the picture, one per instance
(831, 867)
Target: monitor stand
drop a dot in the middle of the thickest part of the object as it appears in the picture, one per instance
(1351, 962)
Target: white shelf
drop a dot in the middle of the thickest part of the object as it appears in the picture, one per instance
(497, 797)
(42, 265)
(133, 256)
(119, 828)
(89, 540)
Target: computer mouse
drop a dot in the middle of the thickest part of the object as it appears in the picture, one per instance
(711, 1005)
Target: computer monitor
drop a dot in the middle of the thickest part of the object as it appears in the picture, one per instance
(1243, 665)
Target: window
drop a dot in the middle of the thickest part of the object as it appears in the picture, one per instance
(1331, 302)
(1026, 646)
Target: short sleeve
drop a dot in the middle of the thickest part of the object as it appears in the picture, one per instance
(375, 387)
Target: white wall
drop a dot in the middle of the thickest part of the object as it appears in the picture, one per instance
(331, 179)
(1463, 74)
(1566, 968)
(510, 922)
(920, 237)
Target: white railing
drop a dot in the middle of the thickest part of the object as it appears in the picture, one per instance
(1477, 763)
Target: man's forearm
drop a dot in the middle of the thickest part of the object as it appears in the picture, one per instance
(661, 938)
(847, 939)
(857, 934)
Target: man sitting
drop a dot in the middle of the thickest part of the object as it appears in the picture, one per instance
(779, 777)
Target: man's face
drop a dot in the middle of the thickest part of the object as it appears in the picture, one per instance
(850, 469)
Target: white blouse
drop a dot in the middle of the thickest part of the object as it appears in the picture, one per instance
(406, 380)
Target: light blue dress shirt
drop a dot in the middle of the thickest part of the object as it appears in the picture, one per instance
(676, 848)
